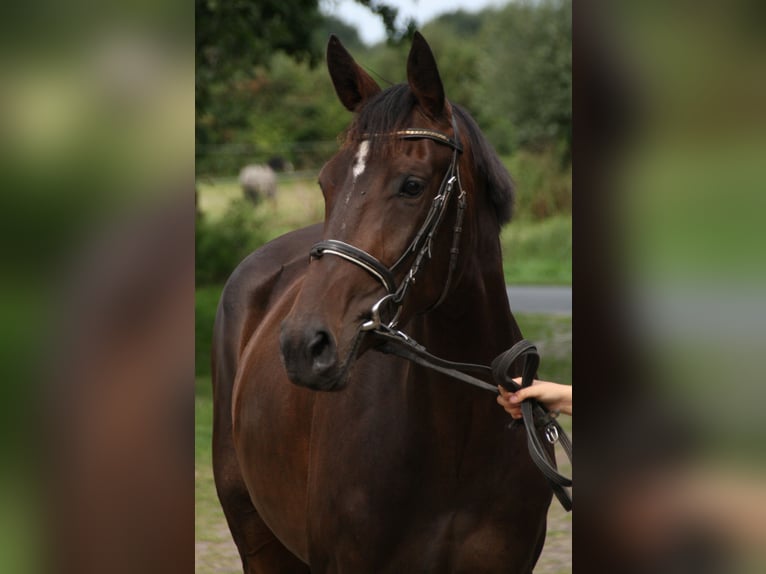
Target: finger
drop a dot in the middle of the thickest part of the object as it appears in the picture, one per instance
(505, 404)
(522, 395)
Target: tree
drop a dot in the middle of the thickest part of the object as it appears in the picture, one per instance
(529, 69)
(460, 71)
(234, 37)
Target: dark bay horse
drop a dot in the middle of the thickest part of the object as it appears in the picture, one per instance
(400, 469)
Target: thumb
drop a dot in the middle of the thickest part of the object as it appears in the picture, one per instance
(521, 395)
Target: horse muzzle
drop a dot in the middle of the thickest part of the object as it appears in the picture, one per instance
(310, 355)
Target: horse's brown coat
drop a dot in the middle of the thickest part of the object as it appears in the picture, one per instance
(401, 470)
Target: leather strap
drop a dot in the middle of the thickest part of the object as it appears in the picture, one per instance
(357, 256)
(536, 418)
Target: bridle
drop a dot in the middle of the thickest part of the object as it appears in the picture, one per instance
(420, 246)
(537, 419)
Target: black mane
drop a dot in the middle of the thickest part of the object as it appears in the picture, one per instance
(490, 169)
(387, 112)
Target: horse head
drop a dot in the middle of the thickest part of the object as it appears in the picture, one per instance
(396, 194)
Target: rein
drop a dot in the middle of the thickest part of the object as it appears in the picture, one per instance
(535, 416)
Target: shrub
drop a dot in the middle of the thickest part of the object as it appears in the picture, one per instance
(543, 188)
(205, 305)
(222, 243)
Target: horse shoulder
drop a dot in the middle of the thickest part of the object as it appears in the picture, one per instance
(248, 295)
(251, 289)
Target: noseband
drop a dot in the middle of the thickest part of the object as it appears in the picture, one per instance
(421, 243)
(537, 419)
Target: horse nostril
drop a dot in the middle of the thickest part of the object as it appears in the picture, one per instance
(321, 351)
(319, 343)
(309, 353)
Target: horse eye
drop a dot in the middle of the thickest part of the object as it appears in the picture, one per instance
(412, 188)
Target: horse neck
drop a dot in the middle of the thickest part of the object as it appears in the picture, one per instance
(474, 323)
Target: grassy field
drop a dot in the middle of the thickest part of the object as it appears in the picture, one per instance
(538, 252)
(298, 202)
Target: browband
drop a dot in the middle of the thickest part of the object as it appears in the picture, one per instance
(417, 133)
(422, 133)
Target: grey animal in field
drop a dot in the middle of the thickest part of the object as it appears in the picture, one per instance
(258, 181)
(281, 164)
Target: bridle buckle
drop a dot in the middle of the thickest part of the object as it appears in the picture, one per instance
(552, 433)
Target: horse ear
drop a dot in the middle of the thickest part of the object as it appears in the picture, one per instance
(423, 77)
(352, 84)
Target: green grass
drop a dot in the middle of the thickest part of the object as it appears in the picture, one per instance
(205, 304)
(538, 252)
(298, 202)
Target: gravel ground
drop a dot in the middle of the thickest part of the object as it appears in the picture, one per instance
(557, 553)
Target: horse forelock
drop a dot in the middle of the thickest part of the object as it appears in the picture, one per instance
(384, 113)
(391, 109)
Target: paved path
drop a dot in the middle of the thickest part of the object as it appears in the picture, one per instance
(552, 300)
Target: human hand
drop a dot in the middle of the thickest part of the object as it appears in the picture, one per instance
(554, 396)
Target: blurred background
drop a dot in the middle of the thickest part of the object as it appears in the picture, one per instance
(669, 277)
(97, 290)
(98, 227)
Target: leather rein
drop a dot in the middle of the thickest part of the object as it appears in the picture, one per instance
(536, 418)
